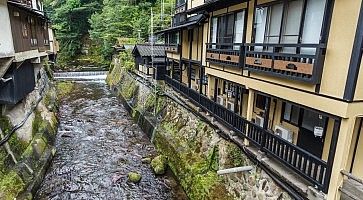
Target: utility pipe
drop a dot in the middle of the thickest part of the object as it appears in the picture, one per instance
(234, 170)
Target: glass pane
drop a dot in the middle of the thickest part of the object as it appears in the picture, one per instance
(228, 37)
(313, 24)
(312, 120)
(260, 25)
(214, 32)
(275, 16)
(293, 18)
(238, 29)
(295, 113)
(287, 113)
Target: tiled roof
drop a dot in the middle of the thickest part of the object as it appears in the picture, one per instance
(148, 50)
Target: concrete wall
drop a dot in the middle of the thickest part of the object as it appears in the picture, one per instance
(6, 39)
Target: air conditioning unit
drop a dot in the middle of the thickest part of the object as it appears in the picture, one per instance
(230, 106)
(220, 100)
(259, 120)
(284, 133)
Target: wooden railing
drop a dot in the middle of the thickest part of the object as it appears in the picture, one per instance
(225, 54)
(172, 48)
(302, 62)
(302, 162)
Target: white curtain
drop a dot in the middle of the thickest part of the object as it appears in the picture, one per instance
(214, 31)
(313, 24)
(239, 29)
(260, 24)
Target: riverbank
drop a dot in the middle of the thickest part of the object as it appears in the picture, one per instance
(195, 149)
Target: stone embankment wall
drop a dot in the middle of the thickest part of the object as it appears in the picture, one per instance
(194, 149)
(26, 156)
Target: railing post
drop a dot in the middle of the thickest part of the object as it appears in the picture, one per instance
(265, 121)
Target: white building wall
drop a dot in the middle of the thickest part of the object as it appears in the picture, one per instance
(6, 38)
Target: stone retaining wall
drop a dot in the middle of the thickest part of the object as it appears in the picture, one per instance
(194, 149)
(26, 156)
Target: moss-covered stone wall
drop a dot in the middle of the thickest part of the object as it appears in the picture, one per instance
(23, 160)
(192, 147)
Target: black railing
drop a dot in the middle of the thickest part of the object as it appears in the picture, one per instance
(225, 53)
(302, 62)
(304, 163)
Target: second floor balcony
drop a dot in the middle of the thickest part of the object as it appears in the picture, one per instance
(302, 62)
(225, 53)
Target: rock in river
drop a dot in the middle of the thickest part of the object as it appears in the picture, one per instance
(134, 177)
(158, 164)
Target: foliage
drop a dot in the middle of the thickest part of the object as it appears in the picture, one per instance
(127, 60)
(125, 19)
(70, 20)
(10, 185)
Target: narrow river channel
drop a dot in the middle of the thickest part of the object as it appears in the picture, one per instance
(97, 146)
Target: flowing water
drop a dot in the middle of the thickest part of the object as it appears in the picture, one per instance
(97, 146)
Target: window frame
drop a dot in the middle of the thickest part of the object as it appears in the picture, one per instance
(289, 120)
(283, 21)
(218, 24)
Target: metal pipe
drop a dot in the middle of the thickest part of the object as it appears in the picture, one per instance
(235, 170)
(4, 80)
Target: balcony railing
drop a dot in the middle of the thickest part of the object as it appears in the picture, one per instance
(303, 62)
(172, 48)
(225, 54)
(302, 162)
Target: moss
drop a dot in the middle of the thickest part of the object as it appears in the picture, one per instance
(64, 88)
(134, 177)
(235, 156)
(10, 186)
(158, 165)
(129, 89)
(17, 146)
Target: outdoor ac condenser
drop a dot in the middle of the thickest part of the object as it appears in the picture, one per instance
(284, 133)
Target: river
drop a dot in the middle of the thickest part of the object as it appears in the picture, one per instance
(97, 145)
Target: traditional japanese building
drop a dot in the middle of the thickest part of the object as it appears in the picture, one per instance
(25, 43)
(150, 60)
(285, 75)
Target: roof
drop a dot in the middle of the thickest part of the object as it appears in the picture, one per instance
(146, 50)
(27, 8)
(189, 22)
(212, 5)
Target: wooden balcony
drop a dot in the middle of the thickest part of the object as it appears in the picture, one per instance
(225, 54)
(172, 48)
(302, 62)
(308, 166)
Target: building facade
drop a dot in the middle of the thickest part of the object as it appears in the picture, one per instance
(26, 42)
(286, 76)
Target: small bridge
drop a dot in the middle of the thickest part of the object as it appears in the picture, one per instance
(86, 75)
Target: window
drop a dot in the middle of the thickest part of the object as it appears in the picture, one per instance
(33, 33)
(238, 29)
(291, 113)
(312, 120)
(227, 29)
(281, 23)
(260, 102)
(174, 38)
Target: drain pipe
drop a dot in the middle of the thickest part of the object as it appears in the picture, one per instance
(4, 80)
